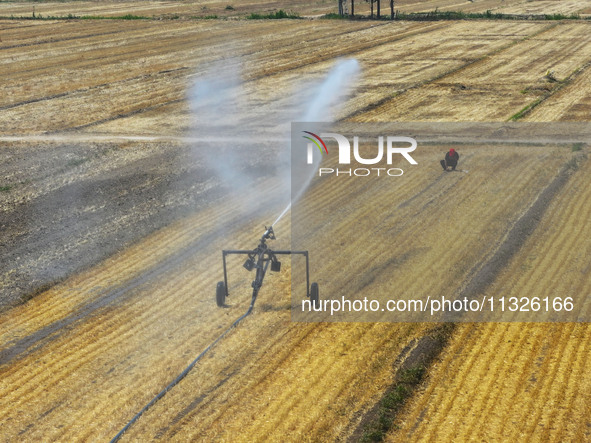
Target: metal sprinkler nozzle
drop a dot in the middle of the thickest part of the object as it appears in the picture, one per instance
(269, 234)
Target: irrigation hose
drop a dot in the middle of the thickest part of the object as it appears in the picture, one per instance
(186, 371)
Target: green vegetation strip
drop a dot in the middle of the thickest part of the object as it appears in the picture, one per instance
(412, 372)
(392, 402)
(527, 109)
(460, 15)
(281, 14)
(75, 17)
(488, 15)
(274, 15)
(559, 85)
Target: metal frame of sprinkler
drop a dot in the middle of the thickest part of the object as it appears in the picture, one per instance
(260, 259)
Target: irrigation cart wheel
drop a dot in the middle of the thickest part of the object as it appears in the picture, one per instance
(220, 294)
(314, 297)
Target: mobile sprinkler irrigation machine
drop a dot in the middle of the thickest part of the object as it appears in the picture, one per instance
(260, 258)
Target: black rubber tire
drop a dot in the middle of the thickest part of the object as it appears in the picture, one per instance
(220, 294)
(314, 296)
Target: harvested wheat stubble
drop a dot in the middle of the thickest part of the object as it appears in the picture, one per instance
(273, 378)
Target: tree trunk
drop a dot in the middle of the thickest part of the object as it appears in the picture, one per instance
(378, 9)
(352, 8)
(341, 8)
(371, 2)
(391, 9)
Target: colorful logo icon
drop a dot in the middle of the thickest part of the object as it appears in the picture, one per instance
(316, 142)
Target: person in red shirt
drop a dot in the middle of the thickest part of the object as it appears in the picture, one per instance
(451, 160)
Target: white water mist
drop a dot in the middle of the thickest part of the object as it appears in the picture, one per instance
(220, 111)
(324, 99)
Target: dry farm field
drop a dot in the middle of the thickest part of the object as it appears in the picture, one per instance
(113, 219)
